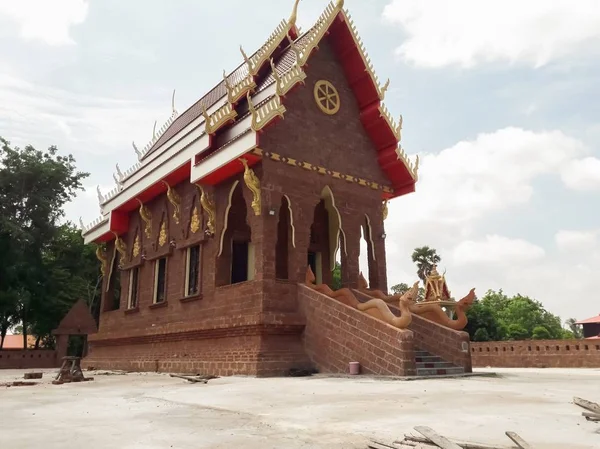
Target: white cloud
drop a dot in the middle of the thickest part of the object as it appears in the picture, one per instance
(496, 249)
(468, 186)
(575, 241)
(48, 21)
(582, 174)
(471, 32)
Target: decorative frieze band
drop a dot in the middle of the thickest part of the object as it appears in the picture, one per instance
(322, 170)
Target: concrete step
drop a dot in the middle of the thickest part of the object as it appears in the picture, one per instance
(435, 365)
(429, 359)
(439, 371)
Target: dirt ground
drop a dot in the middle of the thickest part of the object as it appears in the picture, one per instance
(153, 411)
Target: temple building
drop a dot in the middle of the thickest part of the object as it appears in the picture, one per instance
(206, 242)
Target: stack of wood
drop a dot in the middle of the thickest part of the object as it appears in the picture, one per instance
(70, 371)
(197, 378)
(431, 440)
(593, 409)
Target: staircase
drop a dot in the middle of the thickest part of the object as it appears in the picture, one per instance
(430, 365)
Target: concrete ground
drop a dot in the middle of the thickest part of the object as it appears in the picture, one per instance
(153, 411)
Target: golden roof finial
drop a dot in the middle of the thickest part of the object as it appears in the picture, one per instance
(173, 110)
(294, 15)
(384, 89)
(246, 59)
(154, 131)
(399, 129)
(339, 4)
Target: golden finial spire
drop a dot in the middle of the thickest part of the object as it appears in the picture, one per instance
(294, 15)
(339, 4)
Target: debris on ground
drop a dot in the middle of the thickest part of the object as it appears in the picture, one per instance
(198, 378)
(70, 371)
(301, 372)
(18, 383)
(431, 440)
(593, 409)
(110, 373)
(33, 375)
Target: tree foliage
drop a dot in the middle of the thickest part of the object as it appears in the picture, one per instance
(44, 266)
(512, 318)
(400, 289)
(425, 258)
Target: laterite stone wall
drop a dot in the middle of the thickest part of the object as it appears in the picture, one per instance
(537, 354)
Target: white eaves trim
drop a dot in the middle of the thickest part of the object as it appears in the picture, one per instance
(97, 232)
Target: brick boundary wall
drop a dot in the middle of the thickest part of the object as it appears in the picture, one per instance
(28, 358)
(337, 334)
(449, 344)
(537, 354)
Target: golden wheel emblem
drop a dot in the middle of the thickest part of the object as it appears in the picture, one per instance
(327, 97)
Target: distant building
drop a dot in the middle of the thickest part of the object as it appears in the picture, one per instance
(591, 327)
(16, 342)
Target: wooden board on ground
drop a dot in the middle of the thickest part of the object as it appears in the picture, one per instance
(590, 416)
(190, 379)
(412, 440)
(441, 441)
(520, 442)
(588, 405)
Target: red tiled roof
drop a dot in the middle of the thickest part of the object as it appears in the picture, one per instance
(594, 319)
(16, 341)
(283, 64)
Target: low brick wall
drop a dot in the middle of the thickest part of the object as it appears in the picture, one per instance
(28, 358)
(337, 334)
(450, 345)
(537, 354)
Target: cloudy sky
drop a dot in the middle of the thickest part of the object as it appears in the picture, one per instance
(500, 99)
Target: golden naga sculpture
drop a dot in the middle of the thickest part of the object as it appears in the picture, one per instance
(253, 183)
(121, 248)
(209, 207)
(101, 255)
(175, 200)
(376, 308)
(146, 217)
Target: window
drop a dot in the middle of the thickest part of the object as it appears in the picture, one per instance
(192, 271)
(160, 278)
(132, 301)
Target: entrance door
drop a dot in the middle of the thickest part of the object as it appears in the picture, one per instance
(239, 262)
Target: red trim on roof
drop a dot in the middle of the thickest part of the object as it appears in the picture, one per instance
(367, 96)
(594, 319)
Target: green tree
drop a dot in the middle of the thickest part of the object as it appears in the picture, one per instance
(336, 278)
(481, 335)
(576, 331)
(540, 333)
(34, 187)
(481, 316)
(425, 258)
(400, 289)
(517, 332)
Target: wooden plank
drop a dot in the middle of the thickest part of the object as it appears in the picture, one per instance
(189, 379)
(378, 445)
(588, 405)
(408, 439)
(441, 441)
(520, 442)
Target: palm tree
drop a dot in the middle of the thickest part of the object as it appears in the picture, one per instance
(425, 258)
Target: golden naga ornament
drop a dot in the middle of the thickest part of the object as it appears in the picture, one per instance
(209, 207)
(135, 251)
(121, 248)
(326, 97)
(195, 221)
(175, 200)
(253, 184)
(101, 255)
(384, 208)
(146, 217)
(162, 234)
